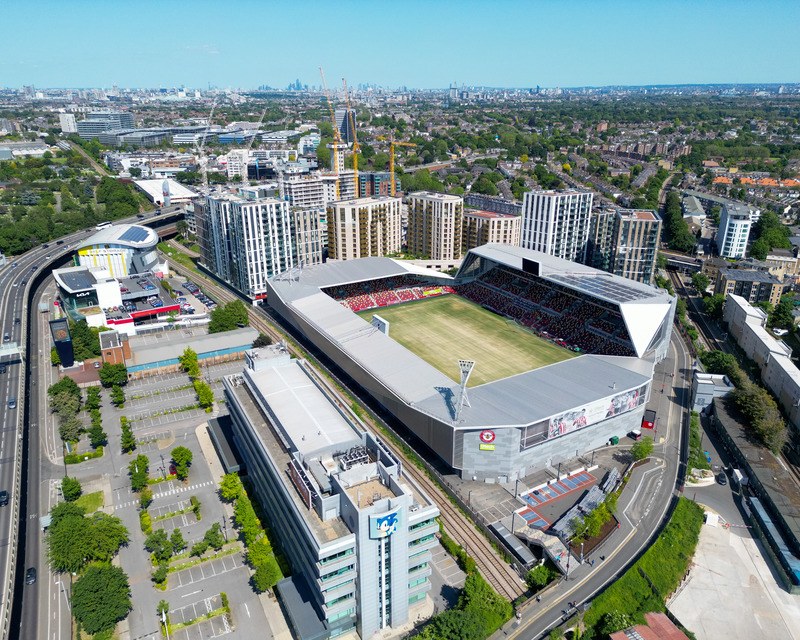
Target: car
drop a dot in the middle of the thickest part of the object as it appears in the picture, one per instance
(16, 284)
(47, 257)
(173, 470)
(722, 479)
(141, 216)
(3, 498)
(2, 368)
(17, 321)
(45, 246)
(24, 282)
(60, 242)
(96, 365)
(178, 292)
(780, 332)
(124, 290)
(6, 337)
(30, 575)
(14, 264)
(12, 403)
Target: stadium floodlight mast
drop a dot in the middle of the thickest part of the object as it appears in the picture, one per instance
(465, 366)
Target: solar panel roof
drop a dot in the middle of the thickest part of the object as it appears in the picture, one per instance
(135, 234)
(78, 280)
(603, 287)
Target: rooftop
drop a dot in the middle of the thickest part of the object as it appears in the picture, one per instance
(744, 275)
(131, 235)
(366, 201)
(168, 345)
(639, 214)
(475, 213)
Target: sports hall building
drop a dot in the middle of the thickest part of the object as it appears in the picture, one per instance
(506, 428)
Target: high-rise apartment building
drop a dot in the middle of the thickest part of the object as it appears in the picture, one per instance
(557, 222)
(308, 235)
(625, 242)
(315, 190)
(356, 529)
(734, 229)
(482, 227)
(67, 122)
(364, 227)
(244, 241)
(434, 225)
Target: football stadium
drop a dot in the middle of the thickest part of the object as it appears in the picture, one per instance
(519, 361)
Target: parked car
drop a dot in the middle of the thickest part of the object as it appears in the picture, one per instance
(722, 479)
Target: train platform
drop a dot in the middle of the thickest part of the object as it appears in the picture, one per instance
(538, 498)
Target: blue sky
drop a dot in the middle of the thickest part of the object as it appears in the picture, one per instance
(425, 44)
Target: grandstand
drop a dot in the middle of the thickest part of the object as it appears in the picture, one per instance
(564, 353)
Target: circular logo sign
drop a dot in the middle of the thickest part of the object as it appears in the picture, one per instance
(487, 436)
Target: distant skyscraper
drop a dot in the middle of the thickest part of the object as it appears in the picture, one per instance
(346, 130)
(557, 222)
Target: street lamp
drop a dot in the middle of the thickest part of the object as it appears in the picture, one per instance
(581, 552)
(225, 527)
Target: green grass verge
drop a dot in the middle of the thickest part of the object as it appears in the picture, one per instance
(175, 255)
(697, 459)
(91, 502)
(665, 563)
(445, 328)
(75, 458)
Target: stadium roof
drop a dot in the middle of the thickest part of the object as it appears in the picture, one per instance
(129, 235)
(514, 401)
(154, 190)
(643, 308)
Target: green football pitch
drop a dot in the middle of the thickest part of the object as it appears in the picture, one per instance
(447, 328)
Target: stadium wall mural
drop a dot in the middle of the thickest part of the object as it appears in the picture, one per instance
(597, 411)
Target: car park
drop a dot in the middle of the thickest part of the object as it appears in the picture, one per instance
(3, 498)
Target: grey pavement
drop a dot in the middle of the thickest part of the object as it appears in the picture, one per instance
(731, 592)
(446, 578)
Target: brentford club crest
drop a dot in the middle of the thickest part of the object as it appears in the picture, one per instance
(487, 436)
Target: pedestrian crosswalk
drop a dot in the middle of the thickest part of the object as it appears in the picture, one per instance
(168, 490)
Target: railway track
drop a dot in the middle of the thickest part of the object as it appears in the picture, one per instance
(499, 574)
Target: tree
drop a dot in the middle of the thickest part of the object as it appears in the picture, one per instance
(262, 340)
(70, 429)
(713, 305)
(145, 498)
(159, 545)
(228, 317)
(177, 541)
(67, 545)
(108, 534)
(160, 574)
(188, 362)
(163, 608)
(181, 227)
(640, 450)
(759, 249)
(113, 375)
(205, 395)
(614, 621)
(230, 488)
(259, 552)
(70, 489)
(213, 536)
(537, 577)
(97, 437)
(138, 470)
(100, 598)
(55, 359)
(118, 396)
(700, 282)
(182, 457)
(199, 548)
(65, 404)
(782, 316)
(267, 575)
(128, 441)
(245, 518)
(65, 384)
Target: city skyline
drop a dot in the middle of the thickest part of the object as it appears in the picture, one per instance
(506, 44)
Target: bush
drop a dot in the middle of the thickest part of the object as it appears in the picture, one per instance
(199, 548)
(145, 523)
(160, 574)
(195, 504)
(75, 458)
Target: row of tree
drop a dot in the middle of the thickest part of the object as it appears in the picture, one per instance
(680, 238)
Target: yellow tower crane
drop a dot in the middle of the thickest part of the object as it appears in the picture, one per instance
(337, 146)
(356, 148)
